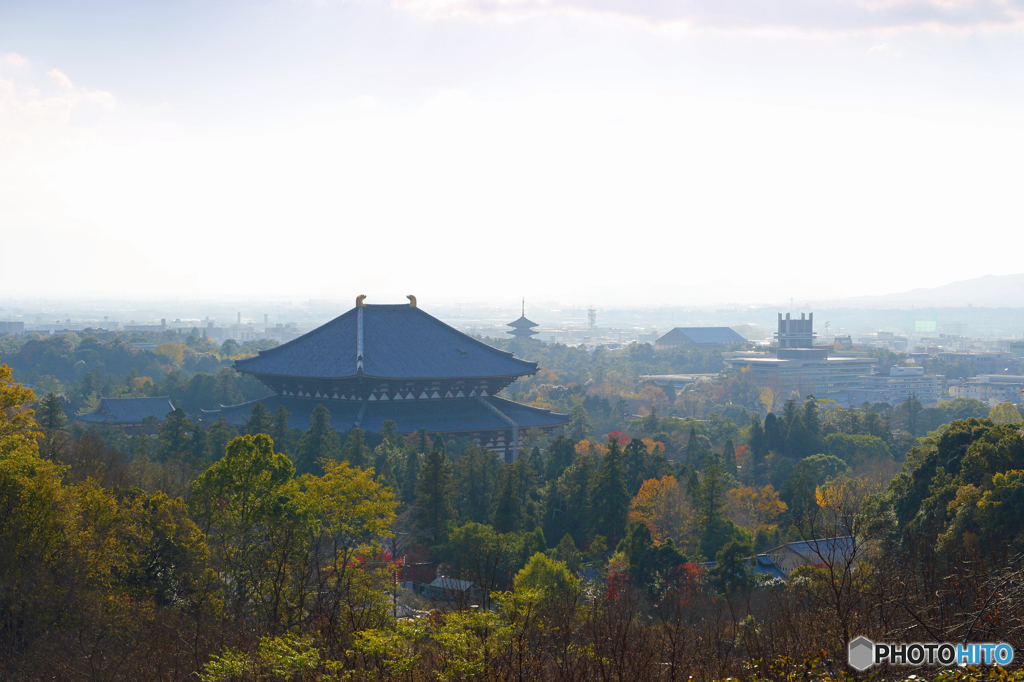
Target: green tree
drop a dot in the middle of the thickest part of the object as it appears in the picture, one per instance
(733, 570)
(557, 585)
(729, 457)
(319, 443)
(174, 436)
(439, 444)
(773, 439)
(410, 476)
(907, 414)
(279, 430)
(478, 553)
(508, 509)
(219, 435)
(258, 421)
(581, 426)
(52, 418)
(355, 451)
(248, 504)
(434, 496)
(51, 415)
(1007, 413)
(610, 498)
(561, 454)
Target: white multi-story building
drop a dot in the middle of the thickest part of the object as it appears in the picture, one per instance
(994, 389)
(899, 385)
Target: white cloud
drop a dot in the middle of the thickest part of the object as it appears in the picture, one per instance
(808, 16)
(611, 193)
(15, 60)
(58, 77)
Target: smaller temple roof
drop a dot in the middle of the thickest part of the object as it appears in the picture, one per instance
(522, 323)
(702, 336)
(129, 410)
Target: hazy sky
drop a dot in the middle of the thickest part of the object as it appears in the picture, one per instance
(597, 151)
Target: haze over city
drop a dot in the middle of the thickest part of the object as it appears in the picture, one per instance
(644, 152)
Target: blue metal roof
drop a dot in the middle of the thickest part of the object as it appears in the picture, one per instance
(450, 415)
(129, 410)
(823, 549)
(762, 564)
(707, 335)
(398, 342)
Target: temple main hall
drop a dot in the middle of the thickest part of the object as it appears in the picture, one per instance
(395, 362)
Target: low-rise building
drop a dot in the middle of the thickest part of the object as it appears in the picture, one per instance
(900, 384)
(982, 362)
(993, 389)
(838, 551)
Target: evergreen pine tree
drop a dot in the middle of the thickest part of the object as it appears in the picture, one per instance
(581, 425)
(383, 456)
(220, 434)
(410, 476)
(320, 442)
(729, 457)
(576, 495)
(387, 432)
(355, 451)
(439, 444)
(812, 425)
(789, 412)
(258, 421)
(798, 442)
(279, 431)
(434, 496)
(471, 482)
(710, 503)
(758, 451)
(508, 511)
(536, 465)
(691, 448)
(51, 415)
(610, 499)
(52, 418)
(773, 439)
(561, 454)
(200, 444)
(174, 434)
(634, 462)
(422, 442)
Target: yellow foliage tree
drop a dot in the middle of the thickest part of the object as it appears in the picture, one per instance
(755, 508)
(662, 506)
(173, 353)
(592, 448)
(15, 417)
(140, 383)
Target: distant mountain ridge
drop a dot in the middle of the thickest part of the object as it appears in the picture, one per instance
(994, 291)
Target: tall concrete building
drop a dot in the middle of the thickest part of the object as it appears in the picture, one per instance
(799, 367)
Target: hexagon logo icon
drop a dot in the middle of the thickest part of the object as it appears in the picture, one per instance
(862, 653)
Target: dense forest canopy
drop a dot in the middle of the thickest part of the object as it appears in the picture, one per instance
(619, 547)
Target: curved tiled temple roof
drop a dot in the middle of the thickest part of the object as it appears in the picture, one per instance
(129, 410)
(436, 416)
(397, 342)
